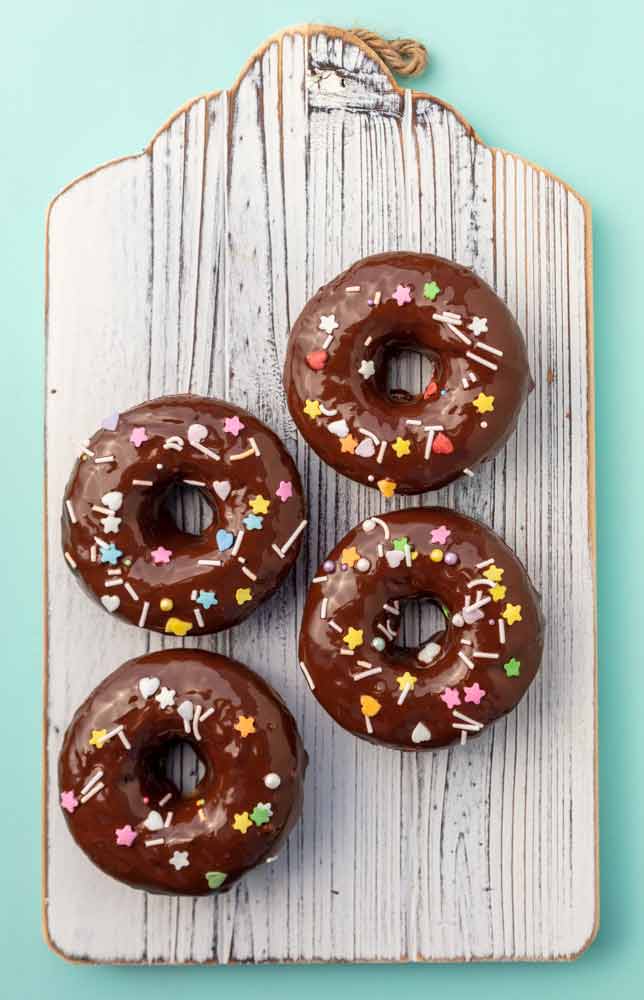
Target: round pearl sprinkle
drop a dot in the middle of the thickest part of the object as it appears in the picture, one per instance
(363, 565)
(343, 567)
(272, 780)
(378, 643)
(166, 604)
(368, 525)
(458, 620)
(328, 566)
(159, 466)
(127, 561)
(371, 478)
(483, 424)
(436, 555)
(451, 558)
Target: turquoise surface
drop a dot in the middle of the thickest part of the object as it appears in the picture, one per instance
(559, 82)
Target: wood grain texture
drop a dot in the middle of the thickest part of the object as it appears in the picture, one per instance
(181, 270)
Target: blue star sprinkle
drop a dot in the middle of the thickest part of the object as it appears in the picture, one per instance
(253, 522)
(110, 554)
(207, 599)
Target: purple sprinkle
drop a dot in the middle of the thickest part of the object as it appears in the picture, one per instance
(328, 566)
(344, 567)
(451, 558)
(370, 302)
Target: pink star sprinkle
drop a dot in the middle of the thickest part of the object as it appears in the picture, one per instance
(233, 425)
(474, 694)
(125, 836)
(68, 801)
(161, 555)
(451, 697)
(138, 436)
(402, 294)
(285, 491)
(440, 535)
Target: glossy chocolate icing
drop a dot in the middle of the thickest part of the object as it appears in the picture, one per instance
(394, 558)
(211, 581)
(257, 776)
(339, 331)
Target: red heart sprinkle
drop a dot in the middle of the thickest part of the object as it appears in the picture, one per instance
(317, 360)
(442, 445)
(431, 390)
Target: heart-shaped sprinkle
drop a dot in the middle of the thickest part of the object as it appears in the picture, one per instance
(153, 821)
(317, 360)
(197, 433)
(149, 686)
(420, 733)
(338, 427)
(430, 391)
(429, 652)
(113, 500)
(442, 445)
(109, 423)
(224, 539)
(222, 488)
(366, 448)
(186, 710)
(111, 602)
(215, 879)
(394, 557)
(469, 617)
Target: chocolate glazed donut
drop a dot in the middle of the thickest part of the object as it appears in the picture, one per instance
(452, 686)
(132, 821)
(336, 372)
(126, 548)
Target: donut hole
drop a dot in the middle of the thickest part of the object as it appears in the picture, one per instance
(178, 761)
(422, 620)
(406, 372)
(188, 508)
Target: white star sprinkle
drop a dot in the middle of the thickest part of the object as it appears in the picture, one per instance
(111, 524)
(165, 697)
(179, 860)
(367, 369)
(478, 326)
(328, 323)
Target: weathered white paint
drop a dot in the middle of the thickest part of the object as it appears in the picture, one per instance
(182, 269)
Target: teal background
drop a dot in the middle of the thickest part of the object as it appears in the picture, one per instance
(560, 83)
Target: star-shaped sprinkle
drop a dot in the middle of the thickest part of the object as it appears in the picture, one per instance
(312, 408)
(110, 554)
(354, 637)
(215, 879)
(138, 436)
(177, 626)
(440, 534)
(259, 504)
(161, 555)
(111, 523)
(125, 836)
(165, 697)
(483, 403)
(367, 369)
(245, 725)
(350, 556)
(179, 860)
(233, 425)
(284, 490)
(387, 487)
(402, 294)
(328, 323)
(474, 694)
(243, 595)
(97, 739)
(253, 522)
(430, 290)
(406, 680)
(401, 543)
(493, 573)
(512, 667)
(242, 822)
(451, 697)
(348, 444)
(498, 592)
(207, 599)
(68, 801)
(262, 813)
(512, 613)
(478, 325)
(402, 446)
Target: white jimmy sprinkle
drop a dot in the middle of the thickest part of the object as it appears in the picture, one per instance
(468, 472)
(131, 591)
(195, 722)
(319, 579)
(393, 609)
(459, 334)
(365, 673)
(481, 361)
(168, 819)
(334, 625)
(485, 656)
(115, 581)
(209, 562)
(166, 798)
(466, 660)
(323, 608)
(327, 413)
(198, 617)
(383, 525)
(243, 454)
(193, 482)
(124, 740)
(92, 553)
(347, 652)
(93, 791)
(414, 423)
(486, 562)
(92, 781)
(377, 299)
(482, 582)
(104, 459)
(502, 630)
(207, 714)
(255, 446)
(70, 511)
(298, 531)
(467, 719)
(251, 576)
(309, 679)
(369, 434)
(352, 288)
(387, 630)
(381, 452)
(238, 541)
(482, 346)
(144, 613)
(327, 341)
(154, 842)
(86, 451)
(142, 482)
(277, 549)
(72, 562)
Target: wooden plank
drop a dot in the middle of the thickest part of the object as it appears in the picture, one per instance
(182, 269)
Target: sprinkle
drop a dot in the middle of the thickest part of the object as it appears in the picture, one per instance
(277, 549)
(483, 404)
(402, 446)
(242, 454)
(166, 798)
(387, 487)
(272, 780)
(347, 652)
(486, 562)
(161, 555)
(474, 694)
(381, 452)
(490, 349)
(368, 341)
(323, 608)
(298, 531)
(144, 613)
(209, 562)
(512, 668)
(245, 725)
(352, 288)
(319, 579)
(168, 819)
(142, 482)
(480, 583)
(237, 544)
(354, 637)
(92, 553)
(377, 299)
(406, 682)
(387, 630)
(466, 642)
(370, 434)
(459, 334)
(114, 582)
(124, 740)
(243, 595)
(328, 323)
(125, 835)
(451, 697)
(478, 326)
(466, 660)
(381, 550)
(195, 722)
(367, 369)
(285, 490)
(193, 482)
(70, 511)
(482, 361)
(369, 707)
(71, 561)
(327, 341)
(68, 801)
(407, 552)
(393, 609)
(468, 472)
(485, 656)
(86, 451)
(501, 625)
(466, 718)
(255, 446)
(131, 591)
(365, 673)
(155, 842)
(251, 576)
(402, 294)
(92, 781)
(431, 431)
(93, 791)
(105, 459)
(262, 813)
(334, 625)
(198, 617)
(309, 679)
(431, 290)
(206, 715)
(512, 613)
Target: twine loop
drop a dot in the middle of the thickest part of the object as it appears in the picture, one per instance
(403, 56)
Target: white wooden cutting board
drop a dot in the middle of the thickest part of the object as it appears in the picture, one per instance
(181, 269)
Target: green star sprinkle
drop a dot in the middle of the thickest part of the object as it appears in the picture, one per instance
(430, 290)
(401, 543)
(512, 667)
(215, 879)
(261, 814)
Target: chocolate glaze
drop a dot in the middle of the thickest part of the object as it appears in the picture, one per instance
(168, 457)
(365, 597)
(234, 782)
(371, 333)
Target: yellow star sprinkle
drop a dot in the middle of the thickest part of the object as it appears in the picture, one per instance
(175, 626)
(493, 573)
(350, 556)
(406, 680)
(98, 738)
(243, 594)
(387, 487)
(259, 505)
(245, 725)
(354, 637)
(402, 446)
(483, 403)
(348, 444)
(512, 613)
(497, 592)
(312, 408)
(242, 822)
